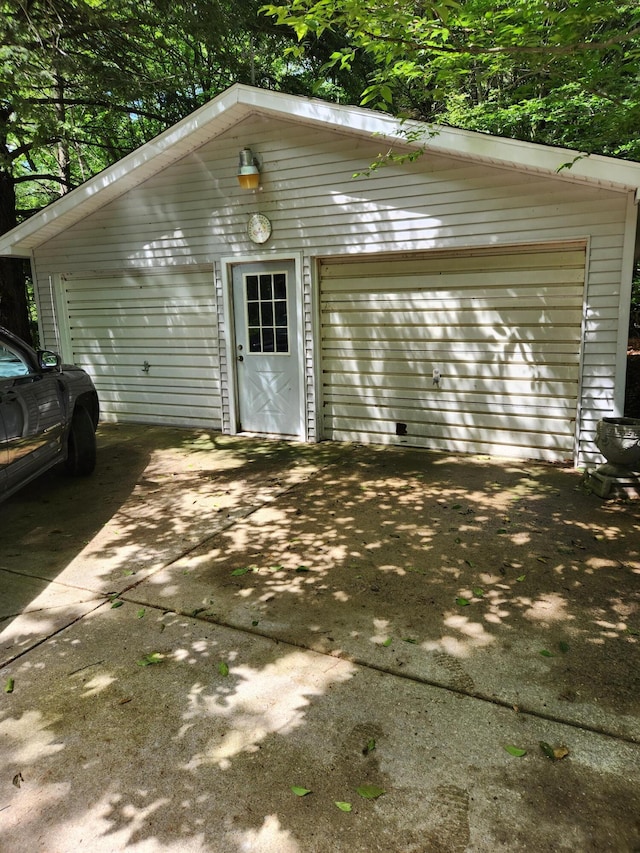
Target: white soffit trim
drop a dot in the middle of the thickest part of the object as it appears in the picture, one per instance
(240, 101)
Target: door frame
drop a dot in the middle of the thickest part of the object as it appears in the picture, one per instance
(227, 265)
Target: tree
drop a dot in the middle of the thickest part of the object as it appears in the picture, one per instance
(83, 82)
(555, 71)
(59, 65)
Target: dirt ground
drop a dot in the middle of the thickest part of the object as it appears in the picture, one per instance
(457, 604)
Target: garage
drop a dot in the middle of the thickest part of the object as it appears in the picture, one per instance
(149, 339)
(469, 351)
(472, 296)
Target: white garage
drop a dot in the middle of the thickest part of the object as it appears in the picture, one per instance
(472, 296)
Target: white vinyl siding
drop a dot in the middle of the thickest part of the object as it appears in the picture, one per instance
(150, 342)
(193, 213)
(501, 328)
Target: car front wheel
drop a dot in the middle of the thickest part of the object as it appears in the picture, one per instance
(81, 448)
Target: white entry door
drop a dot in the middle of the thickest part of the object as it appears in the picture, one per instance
(267, 348)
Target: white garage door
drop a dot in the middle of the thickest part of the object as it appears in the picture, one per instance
(477, 351)
(149, 340)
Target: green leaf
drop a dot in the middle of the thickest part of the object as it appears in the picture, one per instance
(223, 669)
(478, 591)
(547, 654)
(237, 572)
(501, 530)
(150, 659)
(117, 603)
(457, 506)
(521, 578)
(302, 569)
(141, 613)
(563, 646)
(8, 685)
(255, 622)
(300, 792)
(463, 602)
(370, 746)
(344, 807)
(515, 750)
(409, 640)
(370, 792)
(547, 749)
(388, 642)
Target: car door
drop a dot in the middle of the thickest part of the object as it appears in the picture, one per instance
(32, 417)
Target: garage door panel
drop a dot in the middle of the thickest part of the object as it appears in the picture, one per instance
(502, 329)
(496, 372)
(561, 296)
(472, 316)
(460, 424)
(550, 353)
(470, 260)
(455, 334)
(410, 399)
(467, 437)
(149, 340)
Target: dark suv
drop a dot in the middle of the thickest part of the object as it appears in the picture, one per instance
(48, 414)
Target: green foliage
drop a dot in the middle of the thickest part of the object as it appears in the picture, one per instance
(563, 72)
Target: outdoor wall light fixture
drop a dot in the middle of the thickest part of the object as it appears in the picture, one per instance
(248, 171)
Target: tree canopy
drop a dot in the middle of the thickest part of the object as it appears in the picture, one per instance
(83, 82)
(563, 72)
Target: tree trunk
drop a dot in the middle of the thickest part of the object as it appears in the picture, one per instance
(14, 314)
(62, 148)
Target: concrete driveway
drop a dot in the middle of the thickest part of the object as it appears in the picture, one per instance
(209, 622)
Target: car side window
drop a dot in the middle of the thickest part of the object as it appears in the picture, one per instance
(12, 365)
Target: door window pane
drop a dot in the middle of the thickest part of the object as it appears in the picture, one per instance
(267, 316)
(252, 287)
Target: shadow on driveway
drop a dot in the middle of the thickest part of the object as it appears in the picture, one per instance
(221, 619)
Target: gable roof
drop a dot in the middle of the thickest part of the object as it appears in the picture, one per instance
(241, 101)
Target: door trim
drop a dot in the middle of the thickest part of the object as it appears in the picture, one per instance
(229, 371)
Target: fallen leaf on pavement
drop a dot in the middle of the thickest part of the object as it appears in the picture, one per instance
(370, 792)
(150, 659)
